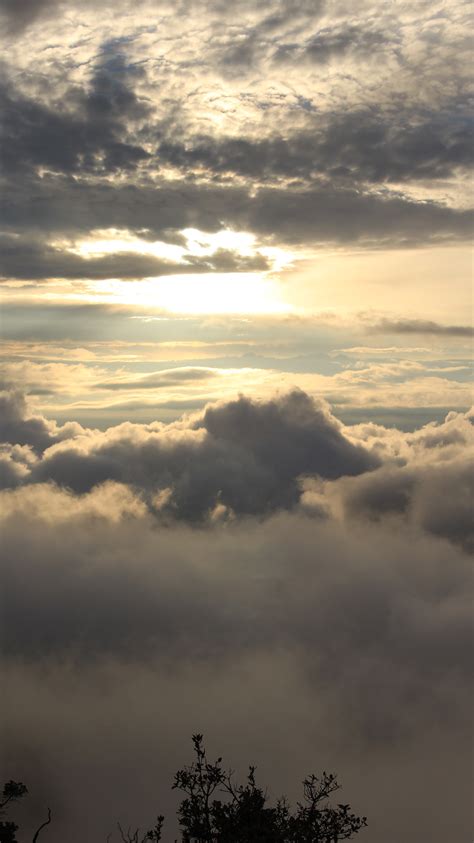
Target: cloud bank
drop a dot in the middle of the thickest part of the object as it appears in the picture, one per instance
(251, 562)
(297, 588)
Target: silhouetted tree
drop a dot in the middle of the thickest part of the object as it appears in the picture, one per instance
(215, 809)
(242, 814)
(12, 792)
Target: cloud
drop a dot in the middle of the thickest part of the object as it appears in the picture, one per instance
(14, 464)
(334, 42)
(159, 380)
(224, 456)
(419, 326)
(255, 562)
(90, 135)
(360, 634)
(346, 215)
(119, 143)
(425, 480)
(254, 457)
(298, 215)
(358, 146)
(18, 14)
(17, 426)
(30, 259)
(59, 320)
(437, 498)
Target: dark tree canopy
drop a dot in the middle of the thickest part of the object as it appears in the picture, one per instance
(215, 809)
(12, 792)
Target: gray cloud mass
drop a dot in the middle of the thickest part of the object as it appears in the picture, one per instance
(361, 638)
(225, 456)
(230, 556)
(297, 588)
(337, 174)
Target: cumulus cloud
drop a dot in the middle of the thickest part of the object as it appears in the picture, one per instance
(253, 457)
(437, 497)
(245, 455)
(17, 426)
(256, 562)
(14, 464)
(425, 480)
(346, 609)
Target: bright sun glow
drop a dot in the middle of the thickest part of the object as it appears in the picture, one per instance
(213, 293)
(196, 293)
(115, 241)
(196, 243)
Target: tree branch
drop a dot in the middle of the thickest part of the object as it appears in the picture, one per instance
(47, 822)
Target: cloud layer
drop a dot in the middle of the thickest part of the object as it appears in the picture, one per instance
(255, 562)
(122, 137)
(224, 457)
(258, 553)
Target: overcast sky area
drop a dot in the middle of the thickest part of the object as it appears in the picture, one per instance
(236, 437)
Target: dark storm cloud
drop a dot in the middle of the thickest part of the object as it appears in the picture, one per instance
(419, 326)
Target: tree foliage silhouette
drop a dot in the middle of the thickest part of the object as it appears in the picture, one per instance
(12, 792)
(215, 809)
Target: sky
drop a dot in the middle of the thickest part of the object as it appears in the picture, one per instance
(236, 437)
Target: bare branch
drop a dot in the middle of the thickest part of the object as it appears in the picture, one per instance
(47, 822)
